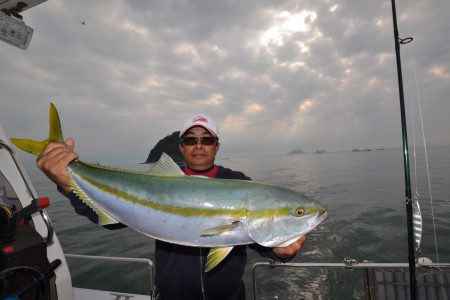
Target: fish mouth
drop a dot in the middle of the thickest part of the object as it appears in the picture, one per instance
(323, 212)
(322, 215)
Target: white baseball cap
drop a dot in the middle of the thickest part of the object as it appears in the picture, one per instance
(203, 121)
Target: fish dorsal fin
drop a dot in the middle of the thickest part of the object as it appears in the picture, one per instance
(165, 166)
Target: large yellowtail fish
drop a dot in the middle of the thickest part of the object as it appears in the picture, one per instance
(165, 204)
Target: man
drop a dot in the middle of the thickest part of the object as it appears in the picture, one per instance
(179, 269)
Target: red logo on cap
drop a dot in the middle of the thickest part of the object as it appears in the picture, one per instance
(200, 119)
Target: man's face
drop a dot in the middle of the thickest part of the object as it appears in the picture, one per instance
(199, 156)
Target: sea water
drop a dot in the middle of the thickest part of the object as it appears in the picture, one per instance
(365, 195)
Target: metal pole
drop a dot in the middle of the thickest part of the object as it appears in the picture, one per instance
(409, 221)
(121, 259)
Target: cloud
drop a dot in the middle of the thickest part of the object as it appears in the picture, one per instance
(275, 75)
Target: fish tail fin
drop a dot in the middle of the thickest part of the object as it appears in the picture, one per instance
(55, 135)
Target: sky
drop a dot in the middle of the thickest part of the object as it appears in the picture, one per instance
(275, 75)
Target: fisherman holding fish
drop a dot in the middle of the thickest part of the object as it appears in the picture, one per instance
(180, 269)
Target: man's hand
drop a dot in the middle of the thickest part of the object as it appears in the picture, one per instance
(53, 161)
(291, 250)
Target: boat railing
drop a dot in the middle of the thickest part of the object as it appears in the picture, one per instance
(146, 261)
(381, 280)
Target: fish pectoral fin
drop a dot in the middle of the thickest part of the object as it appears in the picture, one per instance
(215, 256)
(220, 229)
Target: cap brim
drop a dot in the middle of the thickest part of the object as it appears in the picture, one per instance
(200, 125)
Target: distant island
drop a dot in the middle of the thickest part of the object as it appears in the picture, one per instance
(295, 152)
(169, 145)
(320, 151)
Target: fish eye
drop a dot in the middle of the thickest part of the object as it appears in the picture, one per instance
(299, 211)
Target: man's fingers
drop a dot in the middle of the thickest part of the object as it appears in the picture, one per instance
(291, 250)
(55, 151)
(57, 159)
(70, 143)
(51, 147)
(301, 240)
(54, 159)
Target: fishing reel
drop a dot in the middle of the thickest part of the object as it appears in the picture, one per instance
(11, 220)
(6, 228)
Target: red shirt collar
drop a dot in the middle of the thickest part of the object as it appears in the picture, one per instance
(212, 172)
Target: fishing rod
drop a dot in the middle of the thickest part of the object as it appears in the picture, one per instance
(409, 210)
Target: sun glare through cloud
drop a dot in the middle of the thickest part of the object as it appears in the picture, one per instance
(128, 26)
(286, 24)
(214, 100)
(298, 71)
(333, 8)
(305, 105)
(253, 108)
(190, 52)
(440, 71)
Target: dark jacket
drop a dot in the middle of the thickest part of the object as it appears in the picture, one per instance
(180, 269)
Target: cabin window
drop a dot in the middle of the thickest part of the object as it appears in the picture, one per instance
(8, 196)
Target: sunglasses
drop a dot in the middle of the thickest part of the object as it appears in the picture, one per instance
(192, 140)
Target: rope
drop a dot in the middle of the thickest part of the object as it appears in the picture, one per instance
(419, 101)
